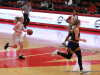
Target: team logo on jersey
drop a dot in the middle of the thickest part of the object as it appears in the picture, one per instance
(97, 23)
(60, 19)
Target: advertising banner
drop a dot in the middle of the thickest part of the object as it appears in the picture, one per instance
(51, 18)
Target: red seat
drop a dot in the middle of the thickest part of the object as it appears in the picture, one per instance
(60, 6)
(36, 5)
(54, 1)
(77, 8)
(9, 2)
(82, 8)
(71, 7)
(84, 3)
(14, 3)
(48, 0)
(97, 3)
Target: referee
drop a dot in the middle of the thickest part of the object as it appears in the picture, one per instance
(26, 8)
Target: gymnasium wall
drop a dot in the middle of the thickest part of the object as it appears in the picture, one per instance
(52, 18)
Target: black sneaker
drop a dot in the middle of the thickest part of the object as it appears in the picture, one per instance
(21, 57)
(6, 46)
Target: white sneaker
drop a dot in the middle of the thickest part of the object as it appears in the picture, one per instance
(55, 52)
(83, 71)
(64, 44)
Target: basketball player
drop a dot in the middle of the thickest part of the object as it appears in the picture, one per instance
(17, 36)
(26, 8)
(70, 20)
(73, 46)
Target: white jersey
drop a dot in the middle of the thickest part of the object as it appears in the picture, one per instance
(73, 18)
(70, 28)
(20, 28)
(17, 37)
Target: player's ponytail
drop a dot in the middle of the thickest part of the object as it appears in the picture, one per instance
(75, 23)
(17, 19)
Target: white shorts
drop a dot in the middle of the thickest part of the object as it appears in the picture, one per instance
(70, 28)
(17, 38)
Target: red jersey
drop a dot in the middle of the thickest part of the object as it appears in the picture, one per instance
(92, 8)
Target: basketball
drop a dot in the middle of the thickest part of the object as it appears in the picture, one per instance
(29, 32)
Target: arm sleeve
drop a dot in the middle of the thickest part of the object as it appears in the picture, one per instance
(23, 7)
(70, 1)
(52, 5)
(65, 2)
(46, 4)
(30, 8)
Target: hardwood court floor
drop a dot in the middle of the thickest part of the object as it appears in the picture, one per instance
(37, 51)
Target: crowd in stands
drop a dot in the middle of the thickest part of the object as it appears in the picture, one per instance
(81, 6)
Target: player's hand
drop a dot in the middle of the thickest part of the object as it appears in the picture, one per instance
(70, 23)
(84, 40)
(22, 13)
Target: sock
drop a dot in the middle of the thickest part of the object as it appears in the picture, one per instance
(20, 54)
(81, 68)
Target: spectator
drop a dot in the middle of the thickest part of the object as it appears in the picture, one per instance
(43, 5)
(51, 6)
(24, 2)
(92, 8)
(21, 3)
(3, 2)
(77, 3)
(96, 11)
(68, 2)
(86, 11)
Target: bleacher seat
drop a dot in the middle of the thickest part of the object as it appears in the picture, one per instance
(34, 7)
(83, 5)
(69, 10)
(8, 3)
(57, 9)
(64, 9)
(77, 8)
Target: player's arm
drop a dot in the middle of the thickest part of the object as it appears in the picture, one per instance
(24, 30)
(15, 28)
(68, 19)
(22, 9)
(76, 31)
(31, 9)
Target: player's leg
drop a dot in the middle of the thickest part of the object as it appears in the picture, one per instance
(67, 38)
(28, 20)
(21, 47)
(25, 18)
(67, 56)
(20, 51)
(15, 41)
(8, 45)
(78, 53)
